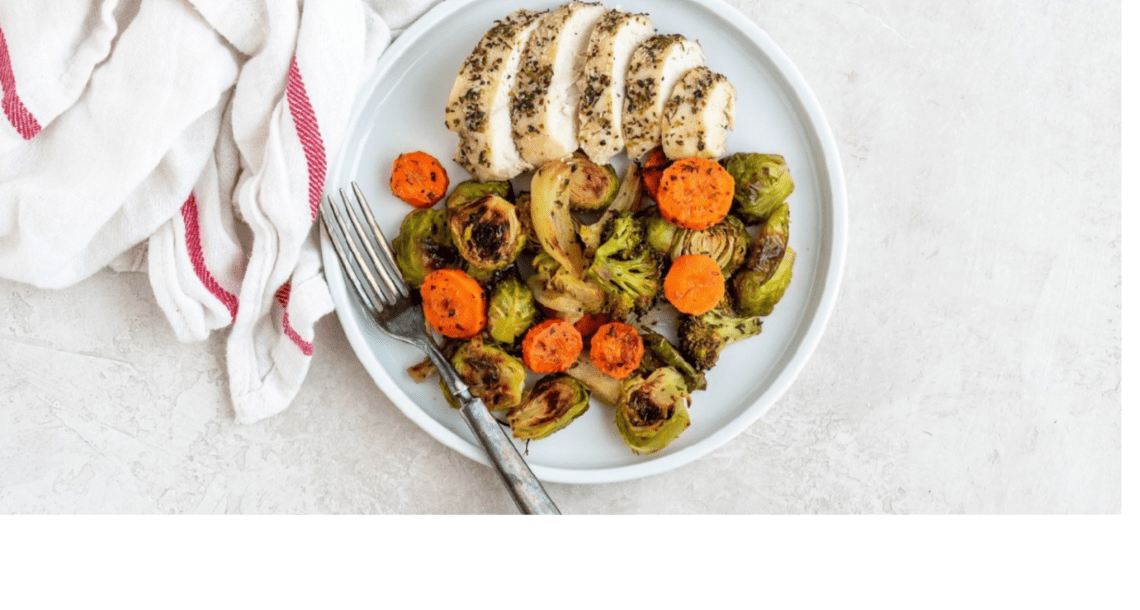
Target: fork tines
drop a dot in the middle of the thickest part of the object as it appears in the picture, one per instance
(383, 283)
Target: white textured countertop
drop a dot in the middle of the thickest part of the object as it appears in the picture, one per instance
(973, 363)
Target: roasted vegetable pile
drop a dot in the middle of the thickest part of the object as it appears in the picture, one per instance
(540, 294)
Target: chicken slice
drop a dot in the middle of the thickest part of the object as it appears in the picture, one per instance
(478, 108)
(656, 66)
(544, 110)
(603, 82)
(698, 115)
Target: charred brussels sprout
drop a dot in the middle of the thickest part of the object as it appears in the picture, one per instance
(653, 410)
(490, 373)
(555, 287)
(554, 402)
(726, 242)
(703, 337)
(487, 232)
(592, 186)
(763, 182)
(472, 190)
(767, 271)
(626, 267)
(423, 245)
(660, 352)
(511, 310)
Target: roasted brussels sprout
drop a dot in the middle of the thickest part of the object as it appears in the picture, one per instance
(703, 337)
(767, 271)
(423, 245)
(556, 288)
(626, 267)
(550, 212)
(628, 199)
(554, 402)
(487, 232)
(592, 186)
(470, 190)
(490, 373)
(726, 242)
(763, 182)
(511, 310)
(660, 352)
(653, 410)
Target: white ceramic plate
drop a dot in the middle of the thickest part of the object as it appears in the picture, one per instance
(400, 109)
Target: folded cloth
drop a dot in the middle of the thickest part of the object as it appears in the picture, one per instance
(189, 139)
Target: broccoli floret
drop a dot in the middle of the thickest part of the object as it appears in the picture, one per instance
(704, 336)
(626, 267)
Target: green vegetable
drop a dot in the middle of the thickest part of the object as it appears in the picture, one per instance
(490, 373)
(762, 280)
(659, 352)
(487, 232)
(554, 402)
(423, 245)
(557, 288)
(703, 337)
(628, 199)
(763, 182)
(726, 242)
(653, 410)
(470, 190)
(626, 267)
(592, 186)
(511, 310)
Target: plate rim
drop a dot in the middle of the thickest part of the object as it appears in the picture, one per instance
(832, 179)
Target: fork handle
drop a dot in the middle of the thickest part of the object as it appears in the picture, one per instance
(525, 488)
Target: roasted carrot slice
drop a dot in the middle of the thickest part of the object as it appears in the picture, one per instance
(616, 349)
(551, 346)
(454, 303)
(418, 179)
(694, 284)
(695, 193)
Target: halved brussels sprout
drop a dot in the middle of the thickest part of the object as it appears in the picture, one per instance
(511, 310)
(763, 182)
(423, 245)
(755, 298)
(761, 281)
(487, 232)
(726, 242)
(592, 186)
(554, 402)
(470, 190)
(490, 373)
(653, 411)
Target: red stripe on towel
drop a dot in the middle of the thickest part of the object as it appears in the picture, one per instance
(282, 296)
(309, 133)
(198, 259)
(18, 115)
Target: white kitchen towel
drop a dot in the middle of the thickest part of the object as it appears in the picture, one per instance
(189, 138)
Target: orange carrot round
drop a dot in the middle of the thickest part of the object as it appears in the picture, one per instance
(418, 179)
(695, 193)
(694, 284)
(616, 349)
(551, 346)
(454, 303)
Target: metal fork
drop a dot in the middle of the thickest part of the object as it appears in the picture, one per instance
(388, 299)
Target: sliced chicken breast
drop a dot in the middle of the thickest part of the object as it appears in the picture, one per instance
(656, 66)
(544, 110)
(602, 82)
(698, 115)
(478, 108)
